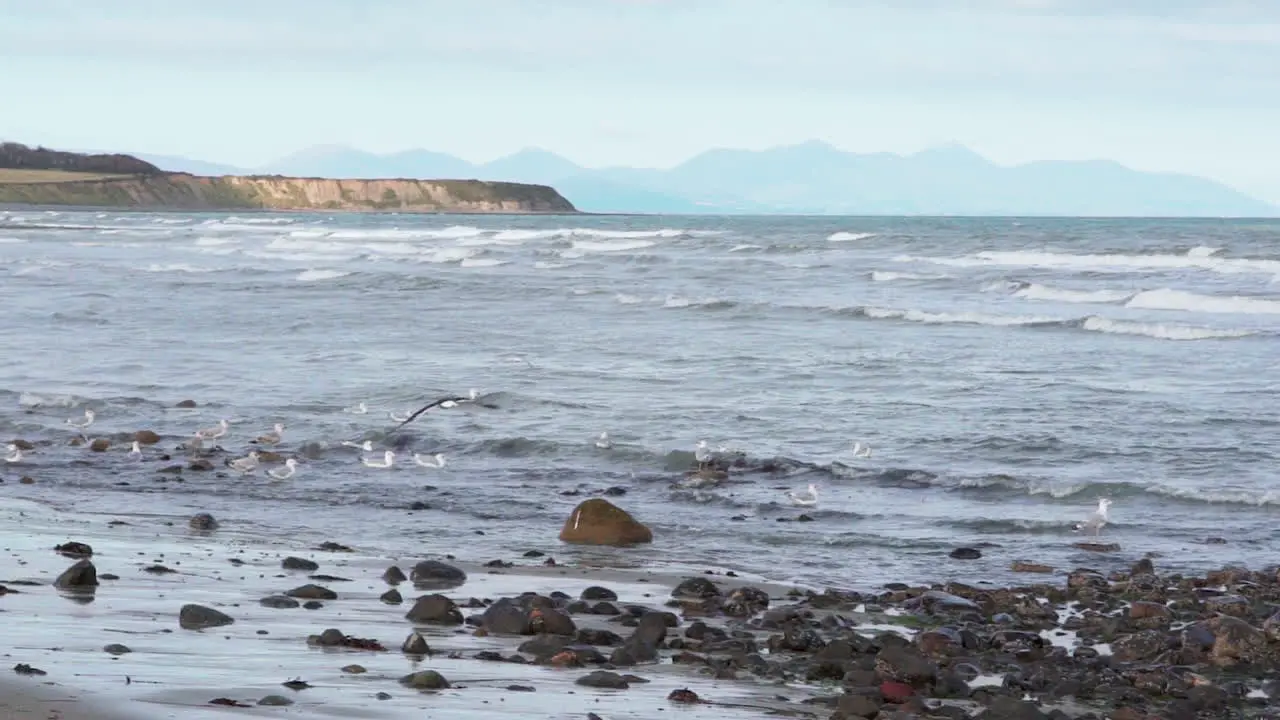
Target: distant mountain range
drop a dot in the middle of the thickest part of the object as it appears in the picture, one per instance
(810, 178)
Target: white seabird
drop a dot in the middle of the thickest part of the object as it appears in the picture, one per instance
(273, 437)
(434, 461)
(807, 498)
(214, 432)
(388, 459)
(15, 454)
(88, 420)
(290, 467)
(1098, 519)
(245, 465)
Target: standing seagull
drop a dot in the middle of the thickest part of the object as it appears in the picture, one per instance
(88, 420)
(135, 451)
(358, 409)
(290, 467)
(1097, 519)
(15, 454)
(435, 461)
(215, 432)
(703, 455)
(861, 451)
(388, 459)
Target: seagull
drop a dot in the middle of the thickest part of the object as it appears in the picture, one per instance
(435, 461)
(359, 408)
(15, 454)
(1099, 518)
(399, 418)
(273, 437)
(446, 402)
(603, 442)
(388, 459)
(290, 467)
(366, 446)
(135, 451)
(861, 451)
(703, 455)
(245, 465)
(215, 432)
(88, 420)
(805, 498)
(195, 444)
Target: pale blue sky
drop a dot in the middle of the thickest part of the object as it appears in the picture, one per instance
(1179, 85)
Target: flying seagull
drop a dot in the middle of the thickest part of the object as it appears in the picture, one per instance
(451, 401)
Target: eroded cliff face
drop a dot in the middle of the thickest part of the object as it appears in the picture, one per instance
(179, 191)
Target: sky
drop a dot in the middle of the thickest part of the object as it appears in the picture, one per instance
(1167, 85)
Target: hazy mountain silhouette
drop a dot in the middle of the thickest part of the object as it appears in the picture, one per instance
(811, 177)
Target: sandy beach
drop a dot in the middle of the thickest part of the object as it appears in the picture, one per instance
(170, 672)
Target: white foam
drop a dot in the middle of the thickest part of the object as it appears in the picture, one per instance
(744, 247)
(678, 301)
(849, 236)
(1166, 299)
(1105, 263)
(1044, 292)
(12, 241)
(1162, 331)
(234, 220)
(968, 318)
(176, 268)
(449, 255)
(890, 276)
(317, 275)
(545, 265)
(626, 299)
(611, 246)
(215, 241)
(482, 262)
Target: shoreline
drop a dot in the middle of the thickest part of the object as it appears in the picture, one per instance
(1078, 646)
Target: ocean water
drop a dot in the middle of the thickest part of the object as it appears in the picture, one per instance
(1007, 373)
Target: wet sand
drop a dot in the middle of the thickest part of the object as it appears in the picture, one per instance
(174, 673)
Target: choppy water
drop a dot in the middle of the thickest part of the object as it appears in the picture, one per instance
(1007, 373)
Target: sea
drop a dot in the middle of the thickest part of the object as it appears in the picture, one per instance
(1006, 373)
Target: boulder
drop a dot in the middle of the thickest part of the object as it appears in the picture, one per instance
(198, 617)
(433, 574)
(599, 522)
(80, 576)
(146, 437)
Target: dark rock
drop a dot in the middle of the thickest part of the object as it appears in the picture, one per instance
(592, 636)
(391, 597)
(857, 706)
(745, 602)
(279, 602)
(906, 666)
(425, 680)
(297, 563)
(506, 617)
(312, 605)
(551, 621)
(434, 609)
(202, 521)
(604, 679)
(697, 587)
(966, 553)
(595, 592)
(312, 592)
(544, 646)
(415, 644)
(198, 617)
(116, 649)
(80, 576)
(599, 522)
(433, 574)
(393, 576)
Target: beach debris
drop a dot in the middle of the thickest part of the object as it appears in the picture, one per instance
(25, 669)
(202, 521)
(328, 546)
(228, 702)
(74, 549)
(334, 637)
(297, 684)
(159, 570)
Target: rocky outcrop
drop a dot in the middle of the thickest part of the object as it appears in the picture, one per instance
(179, 191)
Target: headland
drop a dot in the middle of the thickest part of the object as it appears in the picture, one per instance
(38, 176)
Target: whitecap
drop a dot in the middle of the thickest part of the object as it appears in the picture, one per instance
(849, 236)
(318, 275)
(1161, 331)
(176, 268)
(965, 318)
(611, 246)
(1044, 292)
(1168, 299)
(482, 262)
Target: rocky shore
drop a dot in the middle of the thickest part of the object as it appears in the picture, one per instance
(154, 614)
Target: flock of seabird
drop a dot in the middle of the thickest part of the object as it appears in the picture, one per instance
(703, 454)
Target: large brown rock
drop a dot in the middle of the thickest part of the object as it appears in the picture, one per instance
(599, 522)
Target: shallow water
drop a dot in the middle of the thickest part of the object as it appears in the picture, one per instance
(1006, 372)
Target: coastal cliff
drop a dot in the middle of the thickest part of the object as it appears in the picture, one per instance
(44, 177)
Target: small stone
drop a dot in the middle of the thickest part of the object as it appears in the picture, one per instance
(604, 679)
(275, 700)
(966, 553)
(146, 437)
(202, 521)
(383, 696)
(312, 592)
(595, 592)
(100, 445)
(74, 549)
(391, 597)
(312, 605)
(393, 576)
(186, 404)
(354, 669)
(116, 649)
(1030, 567)
(279, 602)
(297, 563)
(434, 574)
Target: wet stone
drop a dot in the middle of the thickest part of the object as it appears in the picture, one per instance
(297, 563)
